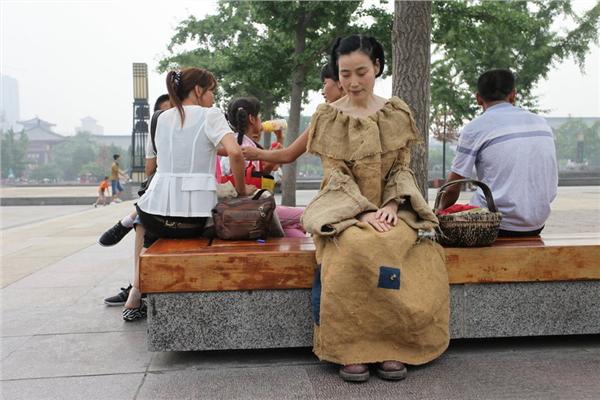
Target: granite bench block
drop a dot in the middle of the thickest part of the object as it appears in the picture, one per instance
(241, 319)
(229, 320)
(282, 318)
(531, 309)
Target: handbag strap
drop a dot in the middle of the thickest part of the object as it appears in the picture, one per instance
(153, 122)
(258, 194)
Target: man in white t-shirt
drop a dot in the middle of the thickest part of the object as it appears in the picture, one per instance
(512, 151)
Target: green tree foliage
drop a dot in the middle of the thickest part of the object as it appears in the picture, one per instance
(49, 172)
(14, 153)
(71, 154)
(80, 155)
(470, 37)
(269, 49)
(566, 137)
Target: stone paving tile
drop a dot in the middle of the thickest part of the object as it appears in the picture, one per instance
(88, 317)
(10, 344)
(15, 268)
(25, 299)
(277, 383)
(550, 375)
(65, 355)
(19, 323)
(102, 387)
(165, 361)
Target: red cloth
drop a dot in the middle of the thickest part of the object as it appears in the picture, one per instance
(456, 208)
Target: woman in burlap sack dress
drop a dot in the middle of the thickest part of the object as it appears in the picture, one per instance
(381, 293)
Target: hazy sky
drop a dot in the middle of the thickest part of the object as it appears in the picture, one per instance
(73, 59)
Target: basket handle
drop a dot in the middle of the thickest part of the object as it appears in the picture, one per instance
(486, 192)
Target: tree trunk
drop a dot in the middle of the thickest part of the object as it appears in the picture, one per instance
(411, 43)
(298, 81)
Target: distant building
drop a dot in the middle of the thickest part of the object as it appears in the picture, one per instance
(122, 141)
(41, 140)
(9, 102)
(89, 124)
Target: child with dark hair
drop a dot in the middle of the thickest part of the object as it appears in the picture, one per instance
(244, 116)
(380, 295)
(331, 91)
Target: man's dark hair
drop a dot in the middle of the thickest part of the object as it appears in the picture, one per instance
(327, 73)
(115, 156)
(161, 99)
(495, 84)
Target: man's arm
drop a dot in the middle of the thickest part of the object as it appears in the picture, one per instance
(452, 192)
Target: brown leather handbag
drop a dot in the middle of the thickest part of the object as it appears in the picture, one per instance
(244, 218)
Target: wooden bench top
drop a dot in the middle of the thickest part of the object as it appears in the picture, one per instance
(198, 265)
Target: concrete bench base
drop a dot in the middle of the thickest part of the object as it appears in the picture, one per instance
(282, 318)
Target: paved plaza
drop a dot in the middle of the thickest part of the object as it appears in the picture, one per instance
(59, 341)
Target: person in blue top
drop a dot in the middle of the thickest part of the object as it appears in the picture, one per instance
(512, 151)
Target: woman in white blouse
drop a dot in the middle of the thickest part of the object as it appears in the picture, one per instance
(182, 193)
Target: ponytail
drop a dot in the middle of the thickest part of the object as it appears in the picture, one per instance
(239, 110)
(181, 83)
(173, 84)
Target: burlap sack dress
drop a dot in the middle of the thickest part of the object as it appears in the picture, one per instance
(380, 296)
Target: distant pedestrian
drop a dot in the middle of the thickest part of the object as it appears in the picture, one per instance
(115, 174)
(102, 192)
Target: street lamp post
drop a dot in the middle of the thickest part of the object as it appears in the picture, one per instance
(141, 114)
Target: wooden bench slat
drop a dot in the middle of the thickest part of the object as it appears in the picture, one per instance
(288, 263)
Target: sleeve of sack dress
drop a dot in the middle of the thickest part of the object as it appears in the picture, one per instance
(401, 186)
(336, 206)
(466, 153)
(216, 125)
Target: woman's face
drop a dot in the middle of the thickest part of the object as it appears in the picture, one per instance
(206, 99)
(357, 75)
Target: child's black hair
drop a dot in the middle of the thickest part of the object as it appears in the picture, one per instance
(238, 111)
(367, 44)
(161, 99)
(327, 73)
(115, 156)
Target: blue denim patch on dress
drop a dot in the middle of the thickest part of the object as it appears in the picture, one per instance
(315, 296)
(389, 278)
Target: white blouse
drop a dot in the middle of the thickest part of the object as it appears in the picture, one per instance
(184, 184)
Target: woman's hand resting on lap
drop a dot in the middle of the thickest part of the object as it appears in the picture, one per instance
(383, 219)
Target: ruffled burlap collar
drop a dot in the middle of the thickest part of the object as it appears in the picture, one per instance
(335, 134)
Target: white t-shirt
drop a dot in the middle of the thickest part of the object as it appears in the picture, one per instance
(512, 151)
(184, 184)
(246, 142)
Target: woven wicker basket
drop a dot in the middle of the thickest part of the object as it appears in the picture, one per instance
(470, 230)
